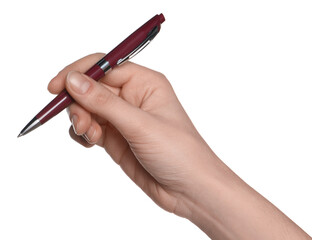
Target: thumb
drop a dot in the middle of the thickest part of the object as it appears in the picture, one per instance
(98, 99)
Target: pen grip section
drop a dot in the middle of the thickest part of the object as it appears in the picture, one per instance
(63, 100)
(58, 104)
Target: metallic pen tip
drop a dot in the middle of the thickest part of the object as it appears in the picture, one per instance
(33, 124)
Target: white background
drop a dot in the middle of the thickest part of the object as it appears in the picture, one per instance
(242, 70)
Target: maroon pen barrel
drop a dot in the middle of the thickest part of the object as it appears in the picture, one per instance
(95, 72)
(63, 99)
(124, 51)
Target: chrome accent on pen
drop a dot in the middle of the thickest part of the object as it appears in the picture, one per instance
(139, 48)
(104, 65)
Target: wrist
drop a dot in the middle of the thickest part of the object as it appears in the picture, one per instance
(225, 207)
(206, 197)
(200, 190)
(216, 200)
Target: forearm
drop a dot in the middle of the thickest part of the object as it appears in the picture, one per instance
(225, 207)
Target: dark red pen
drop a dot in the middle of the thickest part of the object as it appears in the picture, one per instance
(124, 51)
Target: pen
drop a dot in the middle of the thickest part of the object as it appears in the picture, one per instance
(124, 51)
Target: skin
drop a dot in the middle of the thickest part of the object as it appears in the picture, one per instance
(134, 114)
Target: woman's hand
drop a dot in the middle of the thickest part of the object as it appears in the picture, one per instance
(135, 115)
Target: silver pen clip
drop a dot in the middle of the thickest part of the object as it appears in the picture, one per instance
(139, 48)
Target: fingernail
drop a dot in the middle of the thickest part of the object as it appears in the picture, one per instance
(90, 134)
(74, 121)
(86, 138)
(78, 82)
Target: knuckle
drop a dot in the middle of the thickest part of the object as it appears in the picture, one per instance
(103, 98)
(162, 79)
(161, 76)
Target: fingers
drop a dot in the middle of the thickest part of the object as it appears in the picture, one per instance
(98, 99)
(94, 132)
(83, 125)
(103, 101)
(79, 139)
(80, 119)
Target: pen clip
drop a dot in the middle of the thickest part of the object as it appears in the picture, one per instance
(141, 46)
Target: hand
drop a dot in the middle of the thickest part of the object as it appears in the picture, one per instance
(134, 114)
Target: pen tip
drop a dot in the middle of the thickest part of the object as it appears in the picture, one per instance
(33, 124)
